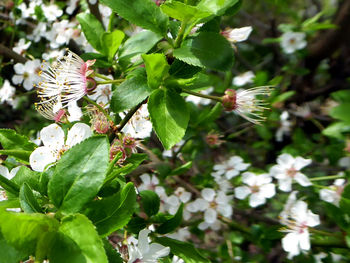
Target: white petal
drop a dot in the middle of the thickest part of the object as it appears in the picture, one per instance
(302, 179)
(19, 68)
(304, 240)
(267, 190)
(52, 136)
(255, 200)
(78, 133)
(14, 172)
(225, 210)
(210, 215)
(208, 194)
(201, 204)
(285, 185)
(312, 219)
(145, 178)
(286, 160)
(242, 192)
(185, 197)
(17, 79)
(156, 251)
(301, 163)
(290, 243)
(231, 173)
(143, 244)
(41, 157)
(5, 172)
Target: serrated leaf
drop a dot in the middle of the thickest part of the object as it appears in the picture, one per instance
(92, 28)
(81, 230)
(28, 176)
(207, 50)
(144, 13)
(169, 116)
(112, 254)
(130, 93)
(172, 223)
(28, 202)
(184, 250)
(216, 7)
(150, 202)
(156, 67)
(8, 253)
(182, 169)
(111, 41)
(113, 213)
(183, 12)
(79, 174)
(9, 185)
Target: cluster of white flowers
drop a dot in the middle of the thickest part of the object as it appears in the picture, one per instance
(139, 126)
(7, 94)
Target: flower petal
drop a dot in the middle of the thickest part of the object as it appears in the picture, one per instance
(242, 192)
(52, 136)
(208, 194)
(41, 157)
(78, 133)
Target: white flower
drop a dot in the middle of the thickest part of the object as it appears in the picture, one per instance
(26, 73)
(139, 126)
(198, 100)
(176, 259)
(51, 12)
(292, 41)
(298, 237)
(173, 202)
(181, 234)
(259, 187)
(38, 32)
(144, 252)
(231, 168)
(288, 169)
(60, 34)
(7, 92)
(66, 81)
(102, 94)
(74, 112)
(243, 79)
(71, 6)
(175, 149)
(212, 204)
(285, 126)
(216, 225)
(53, 54)
(55, 145)
(284, 215)
(21, 46)
(150, 182)
(334, 192)
(247, 103)
(237, 34)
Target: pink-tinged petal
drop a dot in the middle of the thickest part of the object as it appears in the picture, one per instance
(267, 190)
(210, 215)
(285, 185)
(78, 133)
(41, 157)
(290, 243)
(208, 194)
(256, 199)
(143, 244)
(52, 136)
(242, 192)
(5, 172)
(302, 179)
(300, 163)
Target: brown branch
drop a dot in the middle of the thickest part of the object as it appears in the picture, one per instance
(8, 53)
(95, 11)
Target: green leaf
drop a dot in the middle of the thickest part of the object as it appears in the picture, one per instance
(92, 28)
(341, 95)
(110, 42)
(208, 49)
(80, 229)
(150, 202)
(79, 174)
(216, 7)
(169, 116)
(183, 70)
(130, 93)
(156, 67)
(8, 253)
(182, 169)
(144, 13)
(138, 44)
(183, 12)
(29, 204)
(28, 176)
(22, 231)
(112, 213)
(136, 224)
(341, 112)
(336, 129)
(184, 250)
(16, 145)
(172, 223)
(101, 60)
(112, 254)
(210, 117)
(9, 185)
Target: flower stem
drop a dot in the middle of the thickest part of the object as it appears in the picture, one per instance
(216, 98)
(99, 108)
(128, 116)
(101, 76)
(323, 178)
(111, 81)
(180, 34)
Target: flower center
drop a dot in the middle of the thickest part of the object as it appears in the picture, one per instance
(291, 172)
(255, 188)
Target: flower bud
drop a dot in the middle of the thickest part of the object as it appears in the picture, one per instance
(229, 100)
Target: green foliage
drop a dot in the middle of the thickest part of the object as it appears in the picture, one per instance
(156, 67)
(79, 174)
(93, 30)
(28, 201)
(208, 50)
(110, 42)
(172, 223)
(169, 116)
(150, 202)
(184, 12)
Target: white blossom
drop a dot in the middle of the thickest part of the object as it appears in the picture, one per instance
(139, 126)
(288, 169)
(231, 168)
(243, 79)
(181, 234)
(259, 187)
(102, 94)
(176, 259)
(237, 34)
(7, 92)
(26, 73)
(144, 252)
(4, 171)
(215, 226)
(55, 144)
(285, 126)
(21, 46)
(293, 41)
(38, 32)
(51, 12)
(60, 33)
(333, 193)
(174, 201)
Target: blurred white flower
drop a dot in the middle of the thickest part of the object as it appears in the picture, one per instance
(55, 144)
(173, 202)
(333, 193)
(38, 32)
(139, 126)
(285, 126)
(259, 187)
(7, 92)
(102, 94)
(199, 100)
(181, 234)
(288, 169)
(230, 168)
(144, 252)
(293, 41)
(212, 204)
(298, 222)
(176, 147)
(21, 46)
(26, 73)
(237, 34)
(243, 79)
(176, 259)
(60, 33)
(215, 226)
(51, 12)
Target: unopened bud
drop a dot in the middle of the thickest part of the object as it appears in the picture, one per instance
(213, 139)
(229, 100)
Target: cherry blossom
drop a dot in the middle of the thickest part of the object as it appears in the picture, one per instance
(26, 73)
(237, 34)
(333, 193)
(293, 41)
(230, 168)
(243, 79)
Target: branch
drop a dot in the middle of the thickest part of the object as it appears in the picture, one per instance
(8, 53)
